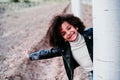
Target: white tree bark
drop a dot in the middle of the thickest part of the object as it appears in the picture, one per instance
(77, 8)
(106, 23)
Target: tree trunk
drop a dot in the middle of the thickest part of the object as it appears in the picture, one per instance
(106, 23)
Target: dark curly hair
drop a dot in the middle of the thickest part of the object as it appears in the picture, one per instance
(53, 34)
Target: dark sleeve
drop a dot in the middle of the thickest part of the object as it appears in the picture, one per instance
(45, 54)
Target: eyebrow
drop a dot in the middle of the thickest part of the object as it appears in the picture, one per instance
(68, 26)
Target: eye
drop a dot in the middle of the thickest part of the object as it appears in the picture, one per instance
(63, 33)
(69, 27)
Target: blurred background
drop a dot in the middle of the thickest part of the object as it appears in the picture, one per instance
(23, 25)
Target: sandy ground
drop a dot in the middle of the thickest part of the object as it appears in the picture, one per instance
(23, 31)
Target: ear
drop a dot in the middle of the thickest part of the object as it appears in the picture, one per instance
(76, 28)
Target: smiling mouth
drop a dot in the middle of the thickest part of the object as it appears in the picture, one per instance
(70, 36)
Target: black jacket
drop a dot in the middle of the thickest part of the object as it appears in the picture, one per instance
(69, 62)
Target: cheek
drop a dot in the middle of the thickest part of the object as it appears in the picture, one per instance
(64, 37)
(76, 31)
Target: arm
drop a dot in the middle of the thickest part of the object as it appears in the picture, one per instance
(45, 54)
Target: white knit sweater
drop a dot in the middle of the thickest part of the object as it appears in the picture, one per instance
(80, 53)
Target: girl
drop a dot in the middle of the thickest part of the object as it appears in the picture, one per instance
(69, 39)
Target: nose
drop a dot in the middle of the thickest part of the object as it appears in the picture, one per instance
(68, 32)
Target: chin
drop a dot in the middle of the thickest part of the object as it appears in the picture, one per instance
(73, 40)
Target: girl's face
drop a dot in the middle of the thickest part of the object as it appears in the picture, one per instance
(68, 32)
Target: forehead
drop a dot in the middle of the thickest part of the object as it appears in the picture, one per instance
(65, 24)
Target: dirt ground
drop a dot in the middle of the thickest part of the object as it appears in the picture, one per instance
(23, 31)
